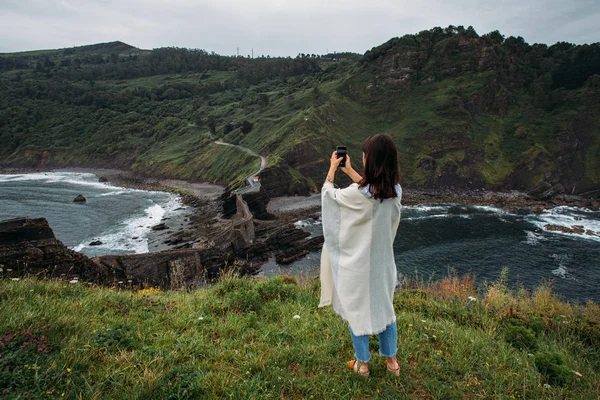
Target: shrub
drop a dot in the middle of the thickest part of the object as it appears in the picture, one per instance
(520, 337)
(551, 365)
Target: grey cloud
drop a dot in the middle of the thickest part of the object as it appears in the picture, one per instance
(281, 28)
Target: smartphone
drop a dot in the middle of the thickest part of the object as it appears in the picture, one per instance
(341, 152)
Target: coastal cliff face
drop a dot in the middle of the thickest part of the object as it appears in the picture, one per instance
(466, 110)
(487, 112)
(29, 247)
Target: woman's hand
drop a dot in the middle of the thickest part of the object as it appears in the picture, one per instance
(334, 162)
(348, 168)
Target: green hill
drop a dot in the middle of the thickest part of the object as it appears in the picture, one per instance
(466, 111)
(240, 339)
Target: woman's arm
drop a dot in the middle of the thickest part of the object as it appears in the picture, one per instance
(348, 170)
(334, 163)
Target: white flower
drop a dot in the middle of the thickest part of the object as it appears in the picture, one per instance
(546, 386)
(74, 281)
(296, 316)
(15, 279)
(423, 321)
(200, 318)
(577, 373)
(1, 269)
(9, 270)
(471, 298)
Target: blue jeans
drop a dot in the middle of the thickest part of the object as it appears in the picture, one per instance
(388, 341)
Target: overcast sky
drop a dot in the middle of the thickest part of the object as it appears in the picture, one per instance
(280, 27)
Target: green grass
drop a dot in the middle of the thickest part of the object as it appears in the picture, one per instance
(102, 343)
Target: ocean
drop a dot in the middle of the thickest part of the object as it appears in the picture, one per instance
(434, 241)
(120, 218)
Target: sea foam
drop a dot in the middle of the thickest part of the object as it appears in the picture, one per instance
(568, 217)
(121, 237)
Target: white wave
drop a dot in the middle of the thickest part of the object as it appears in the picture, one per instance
(491, 210)
(114, 193)
(534, 238)
(122, 237)
(568, 217)
(561, 271)
(74, 178)
(427, 208)
(435, 216)
(569, 209)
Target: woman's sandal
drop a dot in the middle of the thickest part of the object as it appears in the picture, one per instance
(395, 372)
(355, 365)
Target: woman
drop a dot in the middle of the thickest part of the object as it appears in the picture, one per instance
(358, 271)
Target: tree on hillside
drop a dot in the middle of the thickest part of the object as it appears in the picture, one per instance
(494, 37)
(246, 127)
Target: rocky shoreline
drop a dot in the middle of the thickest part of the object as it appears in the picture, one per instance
(276, 236)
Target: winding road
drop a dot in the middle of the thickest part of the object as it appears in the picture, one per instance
(253, 186)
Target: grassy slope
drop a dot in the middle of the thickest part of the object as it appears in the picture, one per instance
(103, 343)
(168, 137)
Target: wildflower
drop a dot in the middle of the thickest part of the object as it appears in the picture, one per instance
(577, 373)
(74, 281)
(200, 318)
(1, 269)
(8, 270)
(296, 316)
(471, 298)
(15, 279)
(69, 370)
(546, 386)
(423, 321)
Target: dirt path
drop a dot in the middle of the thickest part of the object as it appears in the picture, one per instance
(253, 186)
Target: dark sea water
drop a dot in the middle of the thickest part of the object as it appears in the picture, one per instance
(434, 240)
(431, 240)
(120, 218)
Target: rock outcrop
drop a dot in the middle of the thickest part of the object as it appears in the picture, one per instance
(574, 229)
(28, 246)
(79, 199)
(174, 269)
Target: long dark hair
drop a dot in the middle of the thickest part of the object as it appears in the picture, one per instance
(381, 171)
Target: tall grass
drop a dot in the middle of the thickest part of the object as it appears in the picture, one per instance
(258, 338)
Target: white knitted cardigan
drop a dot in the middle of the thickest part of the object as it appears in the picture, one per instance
(358, 271)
